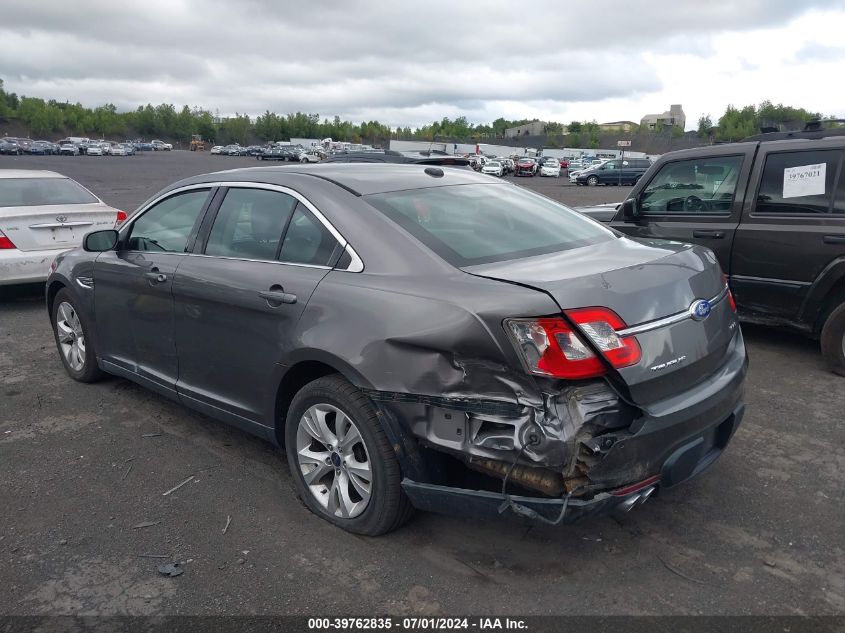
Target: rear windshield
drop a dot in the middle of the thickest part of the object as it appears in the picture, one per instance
(479, 224)
(31, 192)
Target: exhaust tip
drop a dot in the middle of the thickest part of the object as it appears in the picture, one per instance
(629, 503)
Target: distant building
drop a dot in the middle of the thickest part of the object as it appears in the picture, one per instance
(535, 128)
(674, 116)
(618, 126)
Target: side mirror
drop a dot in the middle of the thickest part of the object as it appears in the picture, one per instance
(100, 241)
(630, 210)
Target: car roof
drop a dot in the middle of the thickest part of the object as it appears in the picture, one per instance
(29, 173)
(360, 179)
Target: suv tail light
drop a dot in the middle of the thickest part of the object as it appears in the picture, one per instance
(5, 242)
(550, 347)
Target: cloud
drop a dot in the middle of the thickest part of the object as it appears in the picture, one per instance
(395, 62)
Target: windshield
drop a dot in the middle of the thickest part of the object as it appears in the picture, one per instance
(493, 163)
(31, 192)
(479, 224)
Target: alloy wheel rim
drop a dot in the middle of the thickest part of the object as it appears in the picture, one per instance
(71, 336)
(334, 461)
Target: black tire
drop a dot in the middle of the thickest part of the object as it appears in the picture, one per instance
(833, 340)
(593, 181)
(89, 372)
(388, 507)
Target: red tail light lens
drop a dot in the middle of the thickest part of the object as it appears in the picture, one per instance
(121, 218)
(550, 347)
(5, 242)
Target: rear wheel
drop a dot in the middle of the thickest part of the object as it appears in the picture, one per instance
(76, 349)
(833, 340)
(343, 466)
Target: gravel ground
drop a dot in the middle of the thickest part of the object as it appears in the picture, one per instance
(84, 467)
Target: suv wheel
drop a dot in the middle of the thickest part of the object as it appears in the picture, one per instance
(833, 340)
(75, 346)
(593, 181)
(342, 464)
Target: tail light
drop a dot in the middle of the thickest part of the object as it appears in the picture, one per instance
(121, 218)
(550, 347)
(5, 242)
(731, 299)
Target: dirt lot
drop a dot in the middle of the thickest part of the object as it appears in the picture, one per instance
(84, 467)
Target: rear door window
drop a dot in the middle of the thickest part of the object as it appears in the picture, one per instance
(696, 186)
(250, 224)
(307, 240)
(798, 182)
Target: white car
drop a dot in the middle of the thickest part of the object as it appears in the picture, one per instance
(118, 150)
(493, 167)
(94, 149)
(310, 157)
(217, 149)
(42, 214)
(550, 167)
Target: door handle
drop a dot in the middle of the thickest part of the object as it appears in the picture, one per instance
(834, 239)
(156, 277)
(276, 296)
(716, 235)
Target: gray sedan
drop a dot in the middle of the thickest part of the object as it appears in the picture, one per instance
(415, 337)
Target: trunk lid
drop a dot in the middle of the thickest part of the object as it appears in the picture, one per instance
(643, 282)
(60, 226)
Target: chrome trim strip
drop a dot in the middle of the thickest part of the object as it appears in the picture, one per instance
(671, 319)
(85, 282)
(259, 261)
(54, 225)
(356, 265)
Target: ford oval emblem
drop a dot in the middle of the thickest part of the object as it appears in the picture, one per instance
(700, 309)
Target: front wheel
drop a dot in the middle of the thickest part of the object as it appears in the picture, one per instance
(593, 181)
(76, 349)
(342, 463)
(833, 341)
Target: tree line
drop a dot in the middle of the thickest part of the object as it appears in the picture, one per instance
(43, 117)
(738, 123)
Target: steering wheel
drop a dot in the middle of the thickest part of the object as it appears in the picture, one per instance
(693, 203)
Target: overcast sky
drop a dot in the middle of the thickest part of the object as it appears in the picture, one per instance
(411, 62)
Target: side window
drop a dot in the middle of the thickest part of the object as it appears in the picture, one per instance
(307, 241)
(250, 224)
(697, 186)
(798, 182)
(613, 164)
(166, 226)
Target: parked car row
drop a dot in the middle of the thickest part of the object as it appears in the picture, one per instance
(292, 153)
(79, 146)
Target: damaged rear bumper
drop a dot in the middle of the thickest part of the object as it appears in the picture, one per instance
(690, 458)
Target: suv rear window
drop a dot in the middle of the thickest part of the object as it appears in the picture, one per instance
(31, 192)
(479, 224)
(798, 182)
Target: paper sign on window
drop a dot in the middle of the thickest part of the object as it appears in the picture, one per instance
(805, 180)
